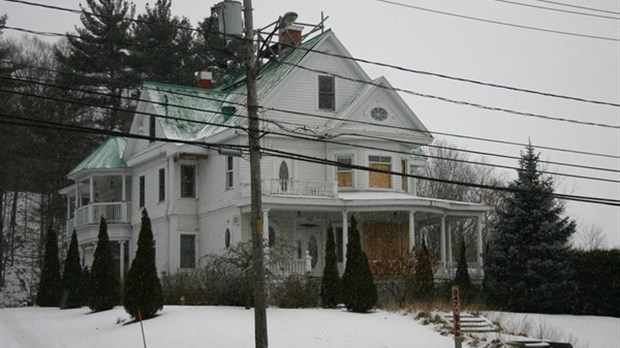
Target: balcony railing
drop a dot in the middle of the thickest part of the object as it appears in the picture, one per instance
(300, 188)
(113, 212)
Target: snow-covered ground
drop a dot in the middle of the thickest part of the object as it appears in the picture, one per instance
(205, 326)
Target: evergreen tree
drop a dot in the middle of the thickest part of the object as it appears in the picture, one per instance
(527, 265)
(142, 287)
(423, 278)
(462, 278)
(330, 283)
(84, 283)
(50, 285)
(97, 60)
(72, 277)
(359, 292)
(103, 284)
(162, 51)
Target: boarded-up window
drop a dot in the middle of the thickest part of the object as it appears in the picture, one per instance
(345, 173)
(327, 93)
(188, 251)
(386, 247)
(378, 179)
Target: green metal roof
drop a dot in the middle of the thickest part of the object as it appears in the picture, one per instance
(108, 155)
(195, 106)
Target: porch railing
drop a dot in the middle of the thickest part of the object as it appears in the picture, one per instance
(299, 188)
(113, 212)
(473, 268)
(301, 266)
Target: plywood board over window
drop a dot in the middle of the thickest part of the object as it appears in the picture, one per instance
(378, 179)
(345, 173)
(386, 247)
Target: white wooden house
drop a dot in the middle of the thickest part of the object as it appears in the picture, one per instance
(199, 200)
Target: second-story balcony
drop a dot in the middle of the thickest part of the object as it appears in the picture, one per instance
(113, 212)
(294, 188)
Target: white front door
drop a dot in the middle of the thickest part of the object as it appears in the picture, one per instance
(310, 238)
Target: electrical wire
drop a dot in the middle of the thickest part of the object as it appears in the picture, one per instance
(581, 7)
(27, 122)
(501, 23)
(558, 10)
(443, 76)
(318, 136)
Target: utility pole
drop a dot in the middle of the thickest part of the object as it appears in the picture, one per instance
(256, 223)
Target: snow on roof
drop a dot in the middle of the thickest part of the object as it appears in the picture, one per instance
(108, 155)
(196, 106)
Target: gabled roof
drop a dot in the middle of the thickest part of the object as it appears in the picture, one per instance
(108, 155)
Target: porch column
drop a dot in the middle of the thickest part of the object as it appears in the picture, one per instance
(266, 230)
(345, 237)
(479, 239)
(124, 188)
(411, 230)
(449, 236)
(122, 260)
(91, 186)
(442, 239)
(77, 194)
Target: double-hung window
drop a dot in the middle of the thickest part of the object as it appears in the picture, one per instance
(327, 93)
(141, 194)
(344, 170)
(229, 172)
(188, 251)
(377, 178)
(162, 184)
(188, 181)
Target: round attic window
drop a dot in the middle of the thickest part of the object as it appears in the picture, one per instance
(379, 114)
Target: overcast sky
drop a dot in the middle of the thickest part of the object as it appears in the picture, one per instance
(555, 63)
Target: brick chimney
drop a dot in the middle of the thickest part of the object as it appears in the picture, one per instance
(290, 35)
(205, 79)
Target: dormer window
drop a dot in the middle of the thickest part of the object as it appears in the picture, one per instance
(327, 93)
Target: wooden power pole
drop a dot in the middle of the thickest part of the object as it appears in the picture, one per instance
(256, 224)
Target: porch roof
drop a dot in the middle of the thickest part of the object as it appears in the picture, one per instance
(108, 155)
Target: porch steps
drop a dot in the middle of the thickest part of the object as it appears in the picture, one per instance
(471, 323)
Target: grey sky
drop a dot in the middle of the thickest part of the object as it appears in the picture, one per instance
(555, 63)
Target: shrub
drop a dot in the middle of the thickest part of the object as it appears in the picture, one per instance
(103, 284)
(359, 292)
(50, 286)
(72, 277)
(297, 292)
(330, 283)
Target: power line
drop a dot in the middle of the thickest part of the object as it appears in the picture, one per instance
(430, 132)
(581, 7)
(559, 10)
(453, 101)
(27, 122)
(320, 137)
(444, 76)
(501, 23)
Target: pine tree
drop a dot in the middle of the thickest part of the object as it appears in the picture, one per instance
(423, 278)
(527, 267)
(72, 277)
(359, 292)
(162, 51)
(103, 284)
(462, 278)
(97, 59)
(330, 283)
(50, 286)
(142, 287)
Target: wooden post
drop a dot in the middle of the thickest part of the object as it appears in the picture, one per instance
(456, 316)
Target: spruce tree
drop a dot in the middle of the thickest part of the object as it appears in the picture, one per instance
(462, 278)
(423, 278)
(72, 277)
(103, 284)
(97, 60)
(527, 267)
(142, 287)
(330, 283)
(50, 285)
(359, 292)
(162, 51)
